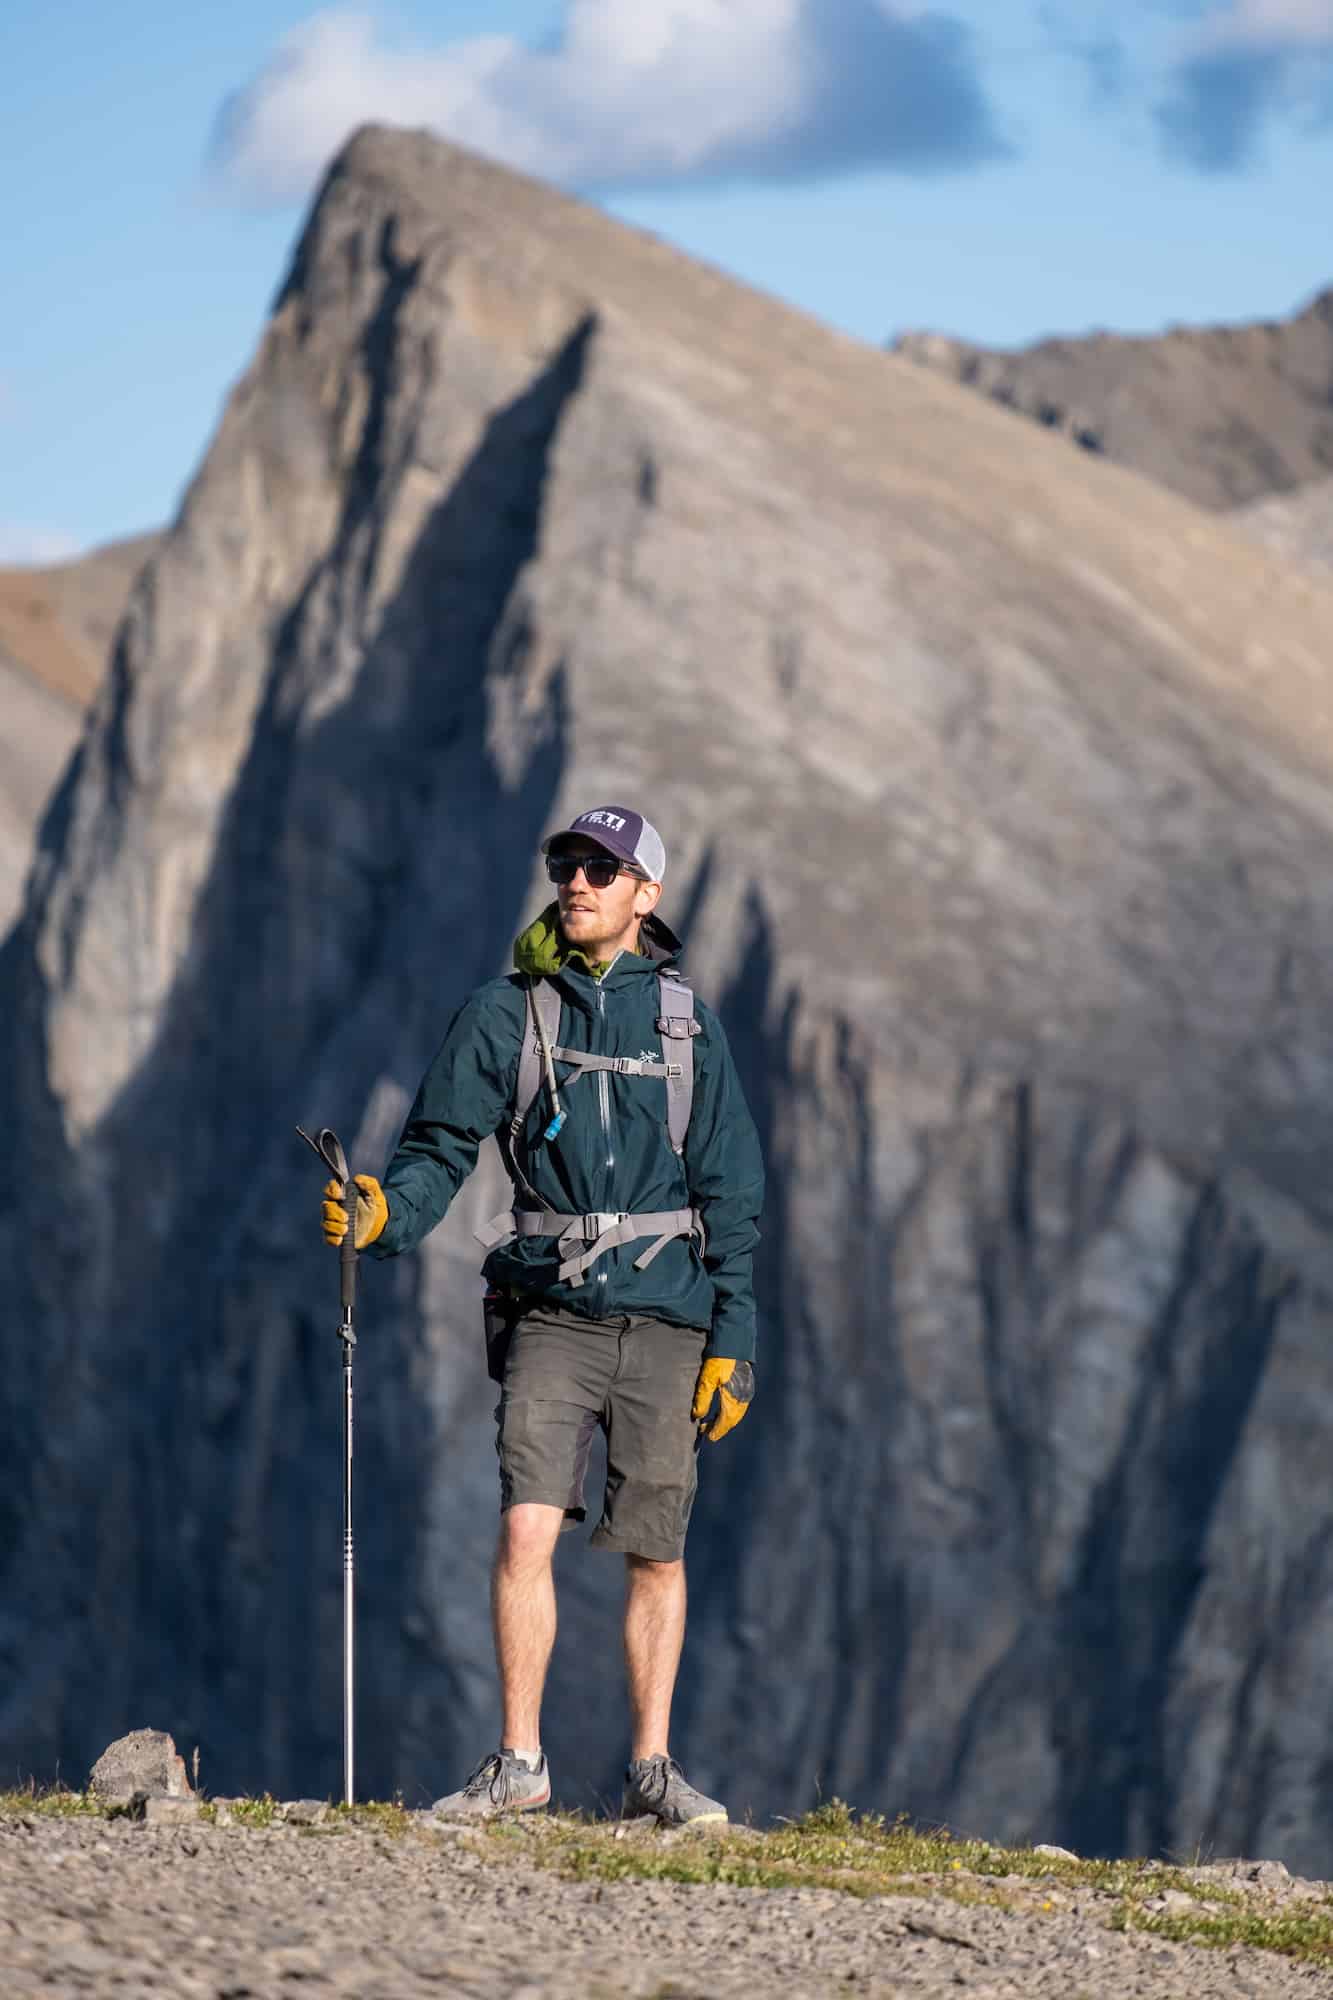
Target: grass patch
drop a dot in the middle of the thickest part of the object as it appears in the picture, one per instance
(1305, 1932)
(56, 1802)
(834, 1848)
(384, 1816)
(53, 1802)
(259, 1812)
(388, 1817)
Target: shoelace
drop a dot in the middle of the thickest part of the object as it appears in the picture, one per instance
(491, 1775)
(654, 1781)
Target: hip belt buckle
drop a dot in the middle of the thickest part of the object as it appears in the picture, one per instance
(597, 1225)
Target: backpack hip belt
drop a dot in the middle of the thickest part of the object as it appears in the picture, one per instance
(585, 1238)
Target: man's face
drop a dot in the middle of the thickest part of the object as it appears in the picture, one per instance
(593, 918)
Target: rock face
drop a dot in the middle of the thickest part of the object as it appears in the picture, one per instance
(1224, 415)
(996, 787)
(56, 624)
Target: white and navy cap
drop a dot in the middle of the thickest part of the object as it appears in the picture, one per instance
(622, 832)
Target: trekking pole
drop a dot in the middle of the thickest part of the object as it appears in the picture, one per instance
(331, 1153)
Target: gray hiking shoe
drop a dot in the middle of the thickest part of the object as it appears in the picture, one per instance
(501, 1783)
(655, 1788)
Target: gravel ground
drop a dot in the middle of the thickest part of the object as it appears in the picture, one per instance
(226, 1913)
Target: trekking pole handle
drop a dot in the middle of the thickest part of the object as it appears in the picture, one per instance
(347, 1252)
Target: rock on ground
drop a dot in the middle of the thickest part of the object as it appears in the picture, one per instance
(146, 1761)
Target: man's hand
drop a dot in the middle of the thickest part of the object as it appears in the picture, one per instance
(372, 1211)
(732, 1382)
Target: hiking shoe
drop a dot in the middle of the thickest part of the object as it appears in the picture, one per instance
(655, 1788)
(501, 1783)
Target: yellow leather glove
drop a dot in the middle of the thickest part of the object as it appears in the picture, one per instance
(732, 1382)
(372, 1211)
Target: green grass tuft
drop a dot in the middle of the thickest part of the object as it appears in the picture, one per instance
(1305, 1932)
(253, 1812)
(53, 1802)
(384, 1816)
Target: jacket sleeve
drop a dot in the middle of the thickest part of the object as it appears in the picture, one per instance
(463, 1098)
(725, 1171)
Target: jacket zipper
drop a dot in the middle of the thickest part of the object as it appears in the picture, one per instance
(604, 1095)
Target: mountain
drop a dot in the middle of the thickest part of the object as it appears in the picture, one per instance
(56, 624)
(995, 781)
(1222, 415)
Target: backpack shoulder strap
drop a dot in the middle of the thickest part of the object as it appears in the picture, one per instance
(542, 1019)
(677, 1025)
(542, 1015)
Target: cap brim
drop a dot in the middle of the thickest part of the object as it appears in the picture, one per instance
(560, 843)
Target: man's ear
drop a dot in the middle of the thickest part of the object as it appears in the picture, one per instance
(645, 898)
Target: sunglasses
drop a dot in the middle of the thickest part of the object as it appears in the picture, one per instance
(599, 870)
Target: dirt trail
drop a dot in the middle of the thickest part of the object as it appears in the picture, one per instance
(235, 1913)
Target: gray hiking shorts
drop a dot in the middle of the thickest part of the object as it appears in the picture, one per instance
(632, 1377)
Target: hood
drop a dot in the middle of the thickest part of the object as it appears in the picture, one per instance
(540, 950)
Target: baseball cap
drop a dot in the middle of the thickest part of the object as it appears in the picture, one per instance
(622, 832)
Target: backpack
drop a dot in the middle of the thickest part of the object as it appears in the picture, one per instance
(585, 1238)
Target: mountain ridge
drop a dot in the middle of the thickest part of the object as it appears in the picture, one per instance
(1224, 415)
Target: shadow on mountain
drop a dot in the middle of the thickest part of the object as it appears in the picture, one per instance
(371, 869)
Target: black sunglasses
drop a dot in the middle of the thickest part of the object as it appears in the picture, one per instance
(599, 870)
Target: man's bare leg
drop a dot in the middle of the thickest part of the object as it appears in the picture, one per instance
(654, 1634)
(523, 1616)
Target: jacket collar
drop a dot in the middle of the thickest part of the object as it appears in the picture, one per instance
(540, 951)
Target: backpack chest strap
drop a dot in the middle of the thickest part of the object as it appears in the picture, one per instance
(579, 1060)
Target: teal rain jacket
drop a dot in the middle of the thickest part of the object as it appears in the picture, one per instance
(613, 1151)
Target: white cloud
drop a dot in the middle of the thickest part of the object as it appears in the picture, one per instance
(630, 93)
(1268, 24)
(1240, 69)
(22, 543)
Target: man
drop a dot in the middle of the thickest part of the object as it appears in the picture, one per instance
(622, 1277)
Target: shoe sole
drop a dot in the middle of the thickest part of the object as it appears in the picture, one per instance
(679, 1825)
(496, 1812)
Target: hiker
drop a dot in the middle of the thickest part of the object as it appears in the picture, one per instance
(604, 1082)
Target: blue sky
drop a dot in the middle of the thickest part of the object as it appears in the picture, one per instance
(998, 169)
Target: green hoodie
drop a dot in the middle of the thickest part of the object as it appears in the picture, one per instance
(612, 1153)
(540, 951)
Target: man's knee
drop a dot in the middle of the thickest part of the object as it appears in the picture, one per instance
(529, 1531)
(653, 1574)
